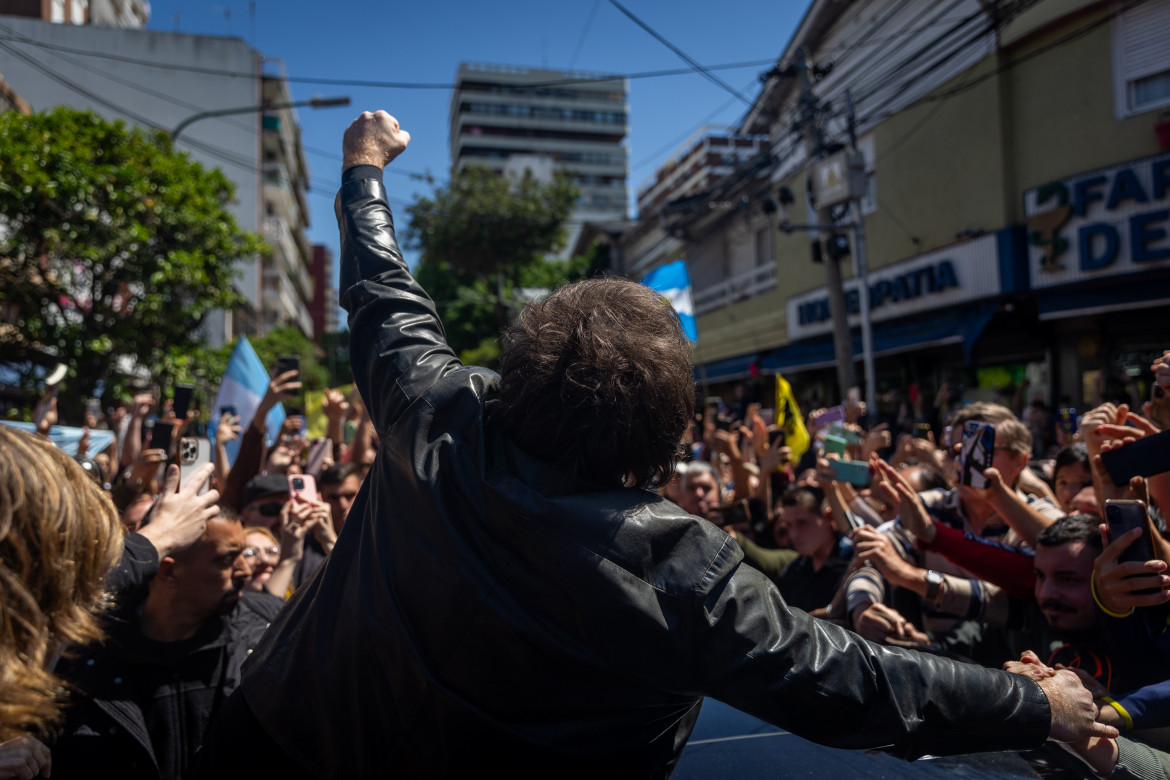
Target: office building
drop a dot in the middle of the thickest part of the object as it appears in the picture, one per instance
(573, 123)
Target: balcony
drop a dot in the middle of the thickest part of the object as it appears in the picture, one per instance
(745, 285)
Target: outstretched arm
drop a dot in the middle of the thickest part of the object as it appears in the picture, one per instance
(398, 347)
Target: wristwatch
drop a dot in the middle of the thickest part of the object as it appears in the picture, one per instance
(934, 582)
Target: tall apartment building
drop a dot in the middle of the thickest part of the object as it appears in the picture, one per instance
(102, 13)
(154, 80)
(575, 122)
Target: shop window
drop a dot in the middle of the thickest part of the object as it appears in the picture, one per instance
(1141, 58)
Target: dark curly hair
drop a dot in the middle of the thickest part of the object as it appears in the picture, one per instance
(597, 379)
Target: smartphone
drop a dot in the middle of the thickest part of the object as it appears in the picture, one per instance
(834, 414)
(976, 452)
(302, 487)
(855, 472)
(749, 511)
(921, 430)
(1144, 457)
(295, 404)
(194, 451)
(182, 400)
(1068, 421)
(230, 409)
(160, 436)
(835, 444)
(315, 459)
(837, 429)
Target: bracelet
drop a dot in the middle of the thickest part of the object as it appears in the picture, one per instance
(1097, 599)
(1126, 720)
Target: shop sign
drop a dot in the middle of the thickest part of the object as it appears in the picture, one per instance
(1102, 223)
(957, 274)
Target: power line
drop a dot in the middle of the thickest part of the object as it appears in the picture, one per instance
(13, 36)
(584, 32)
(705, 72)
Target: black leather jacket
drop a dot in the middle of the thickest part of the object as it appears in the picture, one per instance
(479, 613)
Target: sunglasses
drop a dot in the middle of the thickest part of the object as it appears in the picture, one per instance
(270, 508)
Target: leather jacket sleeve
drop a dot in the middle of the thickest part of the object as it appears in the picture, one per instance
(398, 348)
(824, 683)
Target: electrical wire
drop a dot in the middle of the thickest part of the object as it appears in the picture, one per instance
(584, 32)
(705, 72)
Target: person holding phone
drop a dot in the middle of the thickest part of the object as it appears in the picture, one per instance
(526, 603)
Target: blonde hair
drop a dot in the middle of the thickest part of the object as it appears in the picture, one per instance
(59, 536)
(259, 529)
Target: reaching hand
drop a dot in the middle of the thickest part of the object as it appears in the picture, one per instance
(877, 623)
(334, 406)
(278, 387)
(228, 430)
(24, 758)
(45, 415)
(874, 547)
(1029, 665)
(373, 139)
(1074, 713)
(180, 514)
(83, 444)
(143, 406)
(911, 511)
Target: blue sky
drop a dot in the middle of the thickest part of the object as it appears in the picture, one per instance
(424, 42)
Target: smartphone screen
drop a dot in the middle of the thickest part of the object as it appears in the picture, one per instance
(976, 452)
(182, 400)
(160, 436)
(1123, 516)
(922, 430)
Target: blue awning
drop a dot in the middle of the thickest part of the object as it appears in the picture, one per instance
(731, 368)
(958, 325)
(1101, 298)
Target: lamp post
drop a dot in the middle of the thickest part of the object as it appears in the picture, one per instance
(317, 102)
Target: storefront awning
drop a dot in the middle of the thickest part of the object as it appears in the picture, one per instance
(1104, 298)
(959, 325)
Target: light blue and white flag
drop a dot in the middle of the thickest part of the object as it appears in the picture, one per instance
(67, 437)
(243, 387)
(674, 283)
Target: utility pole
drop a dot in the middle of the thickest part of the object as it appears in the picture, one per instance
(861, 272)
(815, 144)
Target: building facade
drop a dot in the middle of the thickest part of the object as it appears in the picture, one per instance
(159, 80)
(569, 122)
(133, 14)
(1017, 204)
(323, 308)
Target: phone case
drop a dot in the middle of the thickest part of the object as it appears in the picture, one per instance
(302, 485)
(835, 444)
(194, 451)
(976, 453)
(855, 472)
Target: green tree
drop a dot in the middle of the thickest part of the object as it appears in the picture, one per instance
(112, 246)
(487, 229)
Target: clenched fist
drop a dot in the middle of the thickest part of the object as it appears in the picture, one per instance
(374, 138)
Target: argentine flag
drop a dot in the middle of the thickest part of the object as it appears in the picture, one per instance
(674, 283)
(243, 386)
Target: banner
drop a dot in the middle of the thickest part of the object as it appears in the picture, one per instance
(67, 437)
(790, 420)
(673, 281)
(244, 384)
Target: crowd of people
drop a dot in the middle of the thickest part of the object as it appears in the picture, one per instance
(132, 599)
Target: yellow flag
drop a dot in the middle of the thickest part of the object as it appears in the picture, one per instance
(790, 420)
(315, 421)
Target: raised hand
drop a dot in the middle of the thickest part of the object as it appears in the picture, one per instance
(180, 514)
(374, 138)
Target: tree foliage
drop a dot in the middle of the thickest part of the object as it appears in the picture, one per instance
(483, 223)
(467, 304)
(112, 246)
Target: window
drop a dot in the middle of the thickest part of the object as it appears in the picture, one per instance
(1141, 58)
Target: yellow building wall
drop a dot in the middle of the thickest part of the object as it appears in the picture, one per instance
(1062, 113)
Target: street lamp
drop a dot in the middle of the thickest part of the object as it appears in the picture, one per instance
(317, 102)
